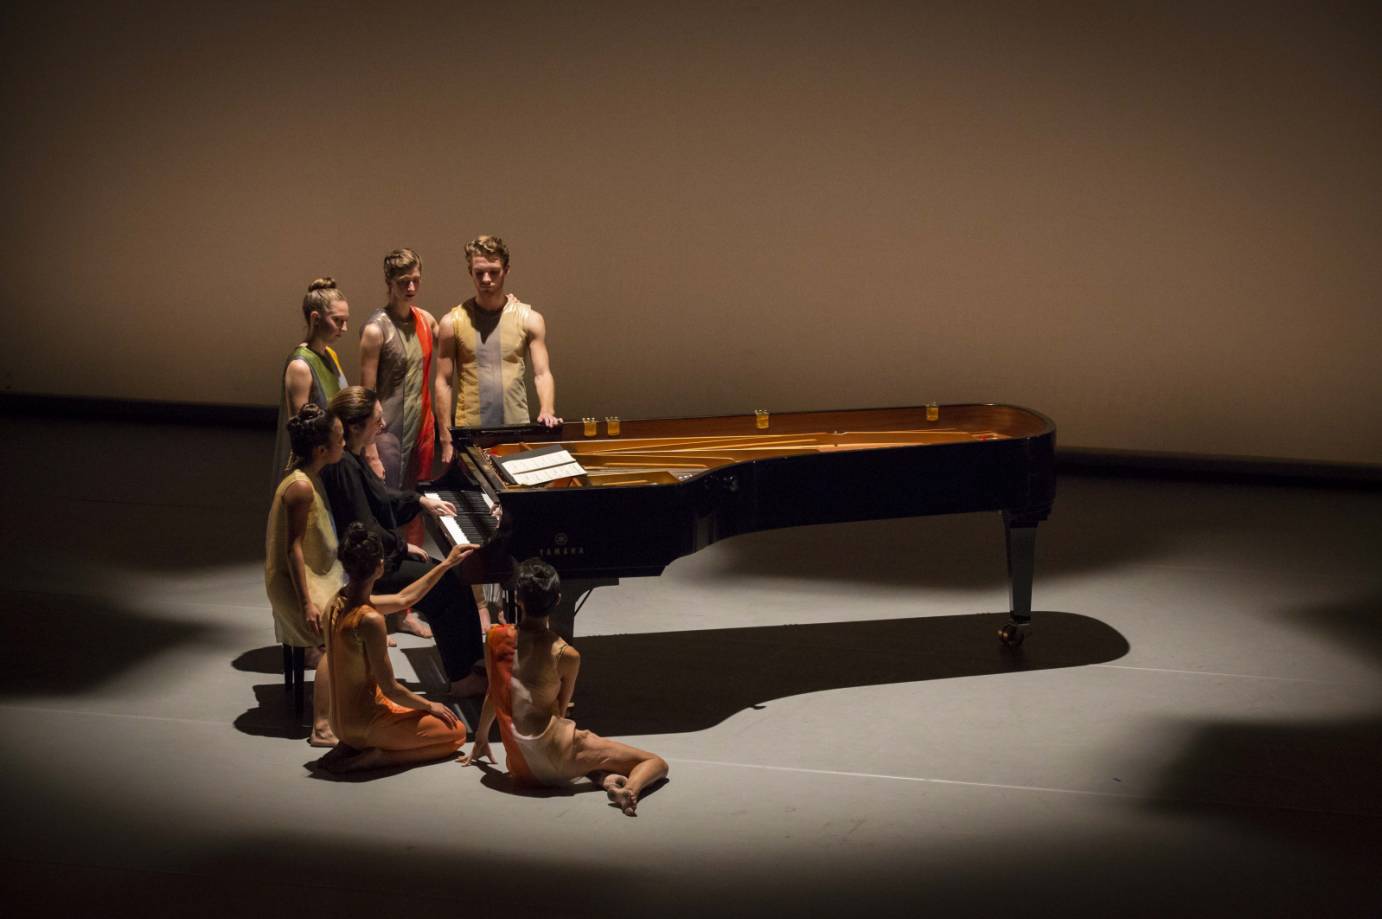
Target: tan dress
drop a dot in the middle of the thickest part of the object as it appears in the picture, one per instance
(361, 715)
(324, 573)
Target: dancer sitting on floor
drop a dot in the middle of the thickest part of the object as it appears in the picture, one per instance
(379, 721)
(301, 573)
(532, 674)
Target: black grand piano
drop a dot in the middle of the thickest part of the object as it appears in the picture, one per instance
(653, 491)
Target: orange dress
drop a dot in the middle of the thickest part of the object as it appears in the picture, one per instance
(361, 715)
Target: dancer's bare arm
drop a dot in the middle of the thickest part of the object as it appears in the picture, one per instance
(297, 382)
(376, 637)
(410, 595)
(569, 667)
(442, 395)
(371, 340)
(543, 381)
(298, 500)
(481, 748)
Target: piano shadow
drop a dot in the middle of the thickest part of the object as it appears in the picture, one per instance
(679, 682)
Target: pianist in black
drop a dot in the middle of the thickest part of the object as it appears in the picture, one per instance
(358, 495)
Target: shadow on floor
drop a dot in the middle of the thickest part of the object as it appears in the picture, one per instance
(261, 660)
(1354, 622)
(737, 869)
(1327, 766)
(61, 644)
(677, 682)
(273, 714)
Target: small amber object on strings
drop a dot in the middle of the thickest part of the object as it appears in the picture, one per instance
(760, 418)
(933, 411)
(591, 426)
(612, 425)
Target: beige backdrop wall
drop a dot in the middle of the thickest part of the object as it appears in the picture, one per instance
(1159, 226)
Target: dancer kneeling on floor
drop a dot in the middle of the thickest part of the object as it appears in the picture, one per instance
(357, 495)
(378, 721)
(532, 674)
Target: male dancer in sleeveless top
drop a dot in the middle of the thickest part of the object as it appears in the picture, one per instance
(396, 346)
(484, 347)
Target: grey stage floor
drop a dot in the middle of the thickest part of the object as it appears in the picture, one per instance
(1194, 726)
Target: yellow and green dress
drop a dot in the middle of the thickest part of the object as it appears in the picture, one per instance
(327, 380)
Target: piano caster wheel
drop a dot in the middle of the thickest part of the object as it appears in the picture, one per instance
(1012, 635)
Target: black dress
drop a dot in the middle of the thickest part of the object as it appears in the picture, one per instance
(357, 495)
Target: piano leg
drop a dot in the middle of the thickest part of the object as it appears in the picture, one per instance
(1021, 545)
(573, 593)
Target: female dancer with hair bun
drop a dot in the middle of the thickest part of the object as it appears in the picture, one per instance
(312, 372)
(301, 573)
(532, 675)
(379, 721)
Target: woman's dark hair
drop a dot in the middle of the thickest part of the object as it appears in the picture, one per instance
(354, 405)
(360, 552)
(309, 429)
(537, 586)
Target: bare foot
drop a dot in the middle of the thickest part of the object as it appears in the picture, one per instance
(473, 684)
(411, 624)
(321, 738)
(393, 643)
(617, 787)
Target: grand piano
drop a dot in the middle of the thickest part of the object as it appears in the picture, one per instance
(653, 491)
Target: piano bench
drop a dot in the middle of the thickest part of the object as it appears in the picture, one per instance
(294, 662)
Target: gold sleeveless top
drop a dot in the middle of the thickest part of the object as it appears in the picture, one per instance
(491, 364)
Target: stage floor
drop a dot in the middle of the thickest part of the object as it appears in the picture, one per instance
(1194, 724)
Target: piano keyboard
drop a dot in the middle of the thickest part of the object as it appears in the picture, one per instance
(474, 522)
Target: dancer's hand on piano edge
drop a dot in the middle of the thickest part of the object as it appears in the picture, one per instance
(437, 507)
(547, 419)
(457, 555)
(417, 552)
(447, 452)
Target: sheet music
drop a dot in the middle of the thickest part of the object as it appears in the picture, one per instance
(545, 464)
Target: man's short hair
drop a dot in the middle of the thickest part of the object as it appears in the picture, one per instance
(489, 247)
(399, 262)
(537, 586)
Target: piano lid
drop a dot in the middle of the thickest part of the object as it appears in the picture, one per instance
(669, 451)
